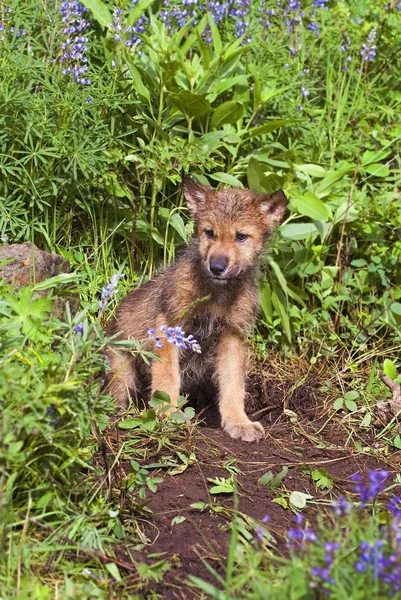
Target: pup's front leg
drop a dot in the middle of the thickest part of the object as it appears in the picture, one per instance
(165, 372)
(230, 371)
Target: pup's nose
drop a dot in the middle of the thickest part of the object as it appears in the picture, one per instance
(218, 265)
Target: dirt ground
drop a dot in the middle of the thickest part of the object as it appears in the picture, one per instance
(300, 439)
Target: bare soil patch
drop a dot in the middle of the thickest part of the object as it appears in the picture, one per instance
(299, 440)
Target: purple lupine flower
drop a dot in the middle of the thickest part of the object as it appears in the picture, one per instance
(342, 507)
(74, 45)
(377, 483)
(304, 92)
(299, 537)
(175, 336)
(368, 51)
(78, 329)
(109, 290)
(394, 506)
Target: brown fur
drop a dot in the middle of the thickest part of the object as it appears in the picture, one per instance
(221, 322)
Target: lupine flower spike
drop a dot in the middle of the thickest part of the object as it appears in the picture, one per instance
(175, 336)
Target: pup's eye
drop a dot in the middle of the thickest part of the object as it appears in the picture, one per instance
(241, 237)
(209, 233)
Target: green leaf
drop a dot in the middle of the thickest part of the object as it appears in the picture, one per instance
(226, 178)
(299, 499)
(395, 307)
(279, 275)
(198, 505)
(374, 156)
(327, 183)
(130, 423)
(222, 486)
(113, 570)
(228, 112)
(311, 169)
(351, 395)
(138, 11)
(177, 520)
(100, 12)
(378, 170)
(268, 127)
(389, 368)
(255, 173)
(266, 303)
(281, 502)
(56, 280)
(309, 205)
(351, 405)
(138, 84)
(322, 479)
(281, 307)
(397, 441)
(298, 231)
(192, 105)
(338, 404)
(217, 43)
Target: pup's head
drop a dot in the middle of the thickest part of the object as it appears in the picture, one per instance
(233, 225)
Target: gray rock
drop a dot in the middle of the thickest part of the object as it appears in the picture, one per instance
(29, 264)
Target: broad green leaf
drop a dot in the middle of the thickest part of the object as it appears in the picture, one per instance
(192, 105)
(209, 141)
(113, 570)
(351, 395)
(255, 173)
(338, 404)
(226, 178)
(374, 156)
(298, 231)
(218, 87)
(341, 212)
(228, 112)
(395, 308)
(281, 502)
(100, 12)
(378, 170)
(351, 405)
(138, 11)
(389, 368)
(177, 520)
(397, 441)
(311, 169)
(327, 183)
(299, 499)
(309, 205)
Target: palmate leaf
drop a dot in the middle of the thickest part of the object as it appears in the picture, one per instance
(30, 312)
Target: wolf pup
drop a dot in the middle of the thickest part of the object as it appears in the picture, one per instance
(211, 292)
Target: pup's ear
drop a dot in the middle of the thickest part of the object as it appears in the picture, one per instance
(273, 207)
(195, 194)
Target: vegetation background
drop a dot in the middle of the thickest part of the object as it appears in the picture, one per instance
(104, 108)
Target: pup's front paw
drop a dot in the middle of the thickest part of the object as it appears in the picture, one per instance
(247, 431)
